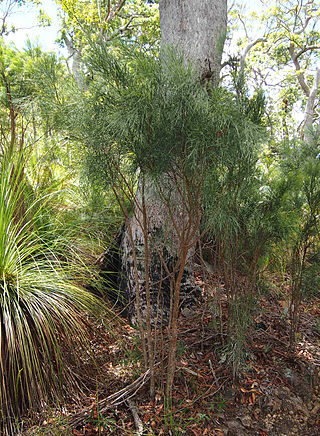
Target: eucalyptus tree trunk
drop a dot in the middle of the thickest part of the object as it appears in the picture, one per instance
(158, 243)
(197, 28)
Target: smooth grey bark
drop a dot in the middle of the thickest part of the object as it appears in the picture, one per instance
(197, 28)
(309, 112)
(310, 93)
(76, 63)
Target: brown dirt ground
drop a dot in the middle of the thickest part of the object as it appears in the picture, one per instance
(275, 392)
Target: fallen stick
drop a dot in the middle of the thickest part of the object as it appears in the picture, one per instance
(136, 417)
(114, 399)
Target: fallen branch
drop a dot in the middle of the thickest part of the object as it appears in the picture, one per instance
(138, 423)
(114, 399)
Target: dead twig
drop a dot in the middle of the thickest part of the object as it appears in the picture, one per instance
(138, 423)
(214, 374)
(207, 393)
(114, 399)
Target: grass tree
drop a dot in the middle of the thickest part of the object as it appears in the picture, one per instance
(43, 264)
(42, 309)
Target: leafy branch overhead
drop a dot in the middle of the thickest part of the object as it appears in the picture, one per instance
(285, 55)
(86, 21)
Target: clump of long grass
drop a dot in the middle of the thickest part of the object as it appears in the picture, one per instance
(42, 307)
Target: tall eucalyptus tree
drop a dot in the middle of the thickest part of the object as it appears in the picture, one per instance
(197, 30)
(159, 240)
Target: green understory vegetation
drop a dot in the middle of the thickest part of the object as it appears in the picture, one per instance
(66, 147)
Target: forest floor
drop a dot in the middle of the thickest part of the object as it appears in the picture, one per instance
(276, 392)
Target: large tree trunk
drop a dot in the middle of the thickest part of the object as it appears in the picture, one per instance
(153, 240)
(198, 29)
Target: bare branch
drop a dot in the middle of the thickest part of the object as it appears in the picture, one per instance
(121, 29)
(115, 11)
(304, 26)
(244, 25)
(305, 49)
(13, 113)
(300, 75)
(138, 423)
(114, 399)
(108, 11)
(6, 14)
(231, 7)
(246, 51)
(284, 24)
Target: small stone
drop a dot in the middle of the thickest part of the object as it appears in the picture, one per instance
(235, 425)
(246, 421)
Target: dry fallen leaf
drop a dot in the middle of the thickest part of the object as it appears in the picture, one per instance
(159, 409)
(146, 417)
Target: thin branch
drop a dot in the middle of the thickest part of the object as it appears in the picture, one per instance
(244, 26)
(116, 10)
(13, 113)
(231, 7)
(246, 51)
(121, 29)
(7, 12)
(305, 49)
(114, 399)
(305, 25)
(108, 11)
(138, 423)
